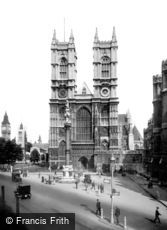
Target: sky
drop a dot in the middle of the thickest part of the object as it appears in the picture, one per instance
(26, 30)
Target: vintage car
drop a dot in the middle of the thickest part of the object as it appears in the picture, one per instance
(23, 191)
(16, 177)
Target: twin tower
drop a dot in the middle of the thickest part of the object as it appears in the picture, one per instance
(94, 115)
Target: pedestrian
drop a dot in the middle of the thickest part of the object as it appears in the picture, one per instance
(93, 185)
(101, 188)
(157, 214)
(98, 207)
(86, 186)
(76, 183)
(117, 214)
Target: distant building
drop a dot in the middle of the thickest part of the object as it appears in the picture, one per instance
(21, 139)
(5, 127)
(148, 146)
(158, 140)
(41, 148)
(129, 136)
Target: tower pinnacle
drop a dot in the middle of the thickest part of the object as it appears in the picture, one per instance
(114, 39)
(71, 39)
(54, 40)
(96, 38)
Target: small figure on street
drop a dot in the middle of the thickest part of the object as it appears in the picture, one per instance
(157, 214)
(117, 214)
(86, 186)
(101, 188)
(93, 185)
(98, 207)
(76, 183)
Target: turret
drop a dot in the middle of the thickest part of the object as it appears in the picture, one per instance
(71, 39)
(96, 38)
(5, 127)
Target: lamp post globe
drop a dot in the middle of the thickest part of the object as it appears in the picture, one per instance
(112, 164)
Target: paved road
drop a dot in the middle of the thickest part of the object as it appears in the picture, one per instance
(134, 203)
(51, 199)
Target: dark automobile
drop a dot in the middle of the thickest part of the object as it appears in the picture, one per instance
(23, 191)
(16, 177)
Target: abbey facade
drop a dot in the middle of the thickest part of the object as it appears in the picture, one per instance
(93, 115)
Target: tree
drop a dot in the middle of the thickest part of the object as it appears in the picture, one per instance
(9, 151)
(28, 146)
(35, 156)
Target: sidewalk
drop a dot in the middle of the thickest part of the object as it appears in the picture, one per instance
(158, 193)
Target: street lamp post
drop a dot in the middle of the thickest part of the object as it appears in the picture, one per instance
(112, 162)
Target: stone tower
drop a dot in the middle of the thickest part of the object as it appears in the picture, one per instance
(130, 132)
(5, 128)
(164, 108)
(21, 136)
(63, 86)
(105, 92)
(157, 113)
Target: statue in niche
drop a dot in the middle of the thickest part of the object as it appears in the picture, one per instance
(67, 112)
(105, 144)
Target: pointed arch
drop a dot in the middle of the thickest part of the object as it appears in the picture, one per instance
(62, 149)
(105, 71)
(105, 115)
(84, 124)
(63, 67)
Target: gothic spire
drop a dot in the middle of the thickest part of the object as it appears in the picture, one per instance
(21, 126)
(96, 38)
(54, 38)
(114, 39)
(71, 39)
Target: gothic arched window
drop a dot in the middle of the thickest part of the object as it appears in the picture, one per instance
(61, 115)
(63, 68)
(61, 151)
(84, 125)
(105, 72)
(105, 115)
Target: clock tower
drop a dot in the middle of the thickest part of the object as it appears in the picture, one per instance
(5, 127)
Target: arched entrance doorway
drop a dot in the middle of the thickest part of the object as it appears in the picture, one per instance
(84, 162)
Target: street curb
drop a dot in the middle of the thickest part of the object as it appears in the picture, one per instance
(153, 196)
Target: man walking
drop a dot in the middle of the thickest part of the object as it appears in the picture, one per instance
(157, 214)
(98, 207)
(117, 214)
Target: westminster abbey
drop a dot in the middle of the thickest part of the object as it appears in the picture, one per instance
(94, 115)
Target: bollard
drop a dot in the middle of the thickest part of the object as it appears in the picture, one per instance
(101, 213)
(17, 205)
(125, 226)
(3, 193)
